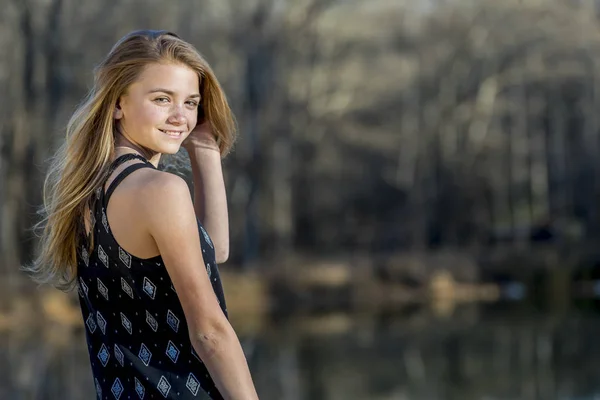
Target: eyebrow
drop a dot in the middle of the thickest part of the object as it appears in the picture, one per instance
(171, 93)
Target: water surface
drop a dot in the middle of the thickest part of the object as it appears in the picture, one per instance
(494, 352)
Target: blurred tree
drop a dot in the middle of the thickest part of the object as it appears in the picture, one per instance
(369, 127)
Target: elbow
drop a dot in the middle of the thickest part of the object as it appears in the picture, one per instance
(211, 341)
(221, 254)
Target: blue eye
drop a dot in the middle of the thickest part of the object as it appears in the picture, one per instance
(193, 103)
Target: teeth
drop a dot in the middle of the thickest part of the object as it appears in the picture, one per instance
(172, 133)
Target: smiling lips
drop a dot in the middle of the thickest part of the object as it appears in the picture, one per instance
(173, 134)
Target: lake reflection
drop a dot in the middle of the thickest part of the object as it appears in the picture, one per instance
(499, 352)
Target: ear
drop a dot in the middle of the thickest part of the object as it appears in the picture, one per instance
(118, 113)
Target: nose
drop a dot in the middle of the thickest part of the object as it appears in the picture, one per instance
(177, 116)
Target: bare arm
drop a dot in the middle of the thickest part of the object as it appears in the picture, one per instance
(171, 221)
(210, 198)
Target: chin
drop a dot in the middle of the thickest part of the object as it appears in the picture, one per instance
(170, 149)
(168, 146)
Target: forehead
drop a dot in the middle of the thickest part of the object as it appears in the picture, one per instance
(174, 77)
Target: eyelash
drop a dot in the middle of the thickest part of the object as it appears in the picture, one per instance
(158, 100)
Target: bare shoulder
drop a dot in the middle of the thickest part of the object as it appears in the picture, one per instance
(171, 221)
(164, 183)
(165, 195)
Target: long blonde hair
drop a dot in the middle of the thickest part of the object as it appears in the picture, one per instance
(81, 164)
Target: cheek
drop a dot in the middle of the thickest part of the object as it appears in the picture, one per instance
(137, 117)
(192, 119)
(154, 115)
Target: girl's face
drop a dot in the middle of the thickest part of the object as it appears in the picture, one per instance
(160, 109)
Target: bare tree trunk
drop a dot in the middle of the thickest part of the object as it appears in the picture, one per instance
(417, 206)
(21, 91)
(556, 164)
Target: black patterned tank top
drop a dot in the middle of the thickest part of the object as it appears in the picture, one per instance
(135, 328)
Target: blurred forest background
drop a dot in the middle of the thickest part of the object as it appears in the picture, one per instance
(390, 151)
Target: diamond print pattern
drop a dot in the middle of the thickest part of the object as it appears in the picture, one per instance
(126, 323)
(149, 288)
(103, 355)
(117, 371)
(151, 321)
(145, 354)
(85, 256)
(104, 220)
(102, 256)
(172, 352)
(126, 288)
(91, 323)
(125, 257)
(119, 356)
(98, 388)
(139, 388)
(101, 322)
(173, 321)
(164, 386)
(83, 286)
(192, 384)
(102, 289)
(117, 389)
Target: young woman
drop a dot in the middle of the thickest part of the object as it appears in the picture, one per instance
(142, 254)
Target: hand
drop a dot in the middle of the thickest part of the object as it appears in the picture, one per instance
(201, 136)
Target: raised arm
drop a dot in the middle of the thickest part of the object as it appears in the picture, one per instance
(210, 198)
(171, 222)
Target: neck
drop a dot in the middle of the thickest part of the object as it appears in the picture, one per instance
(124, 146)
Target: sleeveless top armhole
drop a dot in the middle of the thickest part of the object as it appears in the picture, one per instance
(123, 174)
(102, 197)
(136, 332)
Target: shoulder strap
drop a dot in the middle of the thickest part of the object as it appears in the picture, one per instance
(126, 172)
(126, 157)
